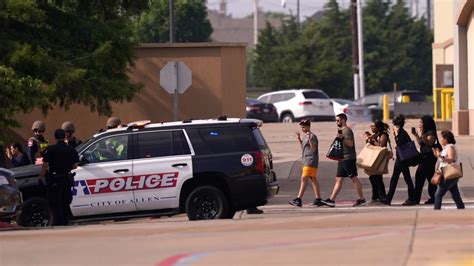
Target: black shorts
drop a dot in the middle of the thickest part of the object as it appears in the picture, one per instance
(347, 168)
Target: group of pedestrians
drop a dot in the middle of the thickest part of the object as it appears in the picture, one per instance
(434, 155)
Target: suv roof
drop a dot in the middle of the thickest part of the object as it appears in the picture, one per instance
(184, 123)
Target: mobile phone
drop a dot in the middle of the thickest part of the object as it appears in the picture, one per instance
(413, 130)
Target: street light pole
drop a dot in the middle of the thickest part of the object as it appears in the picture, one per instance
(360, 38)
(172, 30)
(355, 56)
(255, 22)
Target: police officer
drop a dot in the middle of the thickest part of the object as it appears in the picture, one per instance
(69, 128)
(113, 122)
(37, 144)
(58, 161)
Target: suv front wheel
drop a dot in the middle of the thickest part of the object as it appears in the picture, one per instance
(205, 203)
(35, 212)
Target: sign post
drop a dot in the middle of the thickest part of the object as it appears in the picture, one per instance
(175, 78)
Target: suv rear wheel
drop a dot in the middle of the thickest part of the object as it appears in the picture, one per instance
(287, 118)
(35, 212)
(205, 203)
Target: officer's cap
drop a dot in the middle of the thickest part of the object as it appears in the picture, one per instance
(38, 125)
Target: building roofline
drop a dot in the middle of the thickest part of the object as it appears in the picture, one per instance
(442, 45)
(465, 12)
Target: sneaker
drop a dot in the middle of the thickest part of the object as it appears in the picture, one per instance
(254, 210)
(429, 201)
(317, 203)
(359, 203)
(328, 202)
(408, 203)
(386, 202)
(296, 202)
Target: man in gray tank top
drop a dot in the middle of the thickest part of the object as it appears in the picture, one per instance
(346, 167)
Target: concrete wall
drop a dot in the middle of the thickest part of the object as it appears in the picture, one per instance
(470, 71)
(443, 20)
(463, 117)
(218, 88)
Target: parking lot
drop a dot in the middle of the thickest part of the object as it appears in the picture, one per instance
(283, 235)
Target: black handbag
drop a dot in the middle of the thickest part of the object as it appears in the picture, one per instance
(408, 154)
(335, 150)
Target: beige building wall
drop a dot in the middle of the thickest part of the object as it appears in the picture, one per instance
(470, 69)
(463, 117)
(443, 20)
(218, 88)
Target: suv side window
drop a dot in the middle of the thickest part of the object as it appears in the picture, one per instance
(108, 149)
(274, 98)
(161, 144)
(264, 99)
(229, 139)
(287, 96)
(314, 95)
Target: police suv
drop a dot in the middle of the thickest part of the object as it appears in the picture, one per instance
(208, 169)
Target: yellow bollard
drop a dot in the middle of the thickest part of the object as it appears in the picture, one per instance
(449, 108)
(443, 107)
(405, 99)
(386, 107)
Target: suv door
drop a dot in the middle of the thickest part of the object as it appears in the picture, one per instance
(161, 165)
(103, 181)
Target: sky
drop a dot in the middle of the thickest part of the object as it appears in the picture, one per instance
(242, 8)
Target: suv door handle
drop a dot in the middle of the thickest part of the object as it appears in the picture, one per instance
(179, 165)
(121, 171)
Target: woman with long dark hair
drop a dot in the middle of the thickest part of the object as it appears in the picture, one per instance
(401, 138)
(379, 137)
(425, 171)
(447, 156)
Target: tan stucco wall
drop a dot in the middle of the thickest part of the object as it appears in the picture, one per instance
(470, 71)
(443, 20)
(218, 87)
(470, 60)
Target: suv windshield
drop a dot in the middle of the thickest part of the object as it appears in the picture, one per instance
(315, 95)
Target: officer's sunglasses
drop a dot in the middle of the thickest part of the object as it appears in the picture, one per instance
(69, 131)
(39, 131)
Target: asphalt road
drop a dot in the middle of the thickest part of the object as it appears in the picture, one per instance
(283, 235)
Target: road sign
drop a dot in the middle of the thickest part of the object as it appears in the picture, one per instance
(175, 76)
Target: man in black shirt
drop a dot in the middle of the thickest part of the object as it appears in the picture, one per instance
(58, 161)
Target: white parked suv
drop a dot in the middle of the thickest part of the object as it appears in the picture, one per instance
(295, 105)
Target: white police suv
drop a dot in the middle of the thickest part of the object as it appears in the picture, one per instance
(207, 169)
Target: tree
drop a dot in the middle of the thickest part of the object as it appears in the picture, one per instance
(397, 49)
(65, 52)
(191, 21)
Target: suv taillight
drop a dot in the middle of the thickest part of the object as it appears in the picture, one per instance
(259, 162)
(305, 103)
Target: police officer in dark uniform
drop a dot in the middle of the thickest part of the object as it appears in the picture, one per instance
(69, 128)
(58, 161)
(37, 144)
